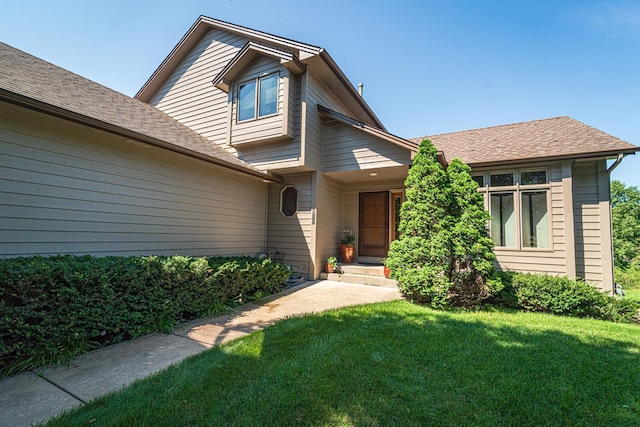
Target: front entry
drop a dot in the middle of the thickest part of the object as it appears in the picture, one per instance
(374, 225)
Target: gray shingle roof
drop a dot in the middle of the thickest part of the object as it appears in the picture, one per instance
(555, 138)
(33, 82)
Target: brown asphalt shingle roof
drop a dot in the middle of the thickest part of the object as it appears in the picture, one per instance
(555, 138)
(33, 82)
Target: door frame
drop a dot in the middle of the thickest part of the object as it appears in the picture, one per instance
(387, 221)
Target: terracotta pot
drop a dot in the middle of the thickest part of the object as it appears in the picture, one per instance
(387, 272)
(328, 268)
(346, 253)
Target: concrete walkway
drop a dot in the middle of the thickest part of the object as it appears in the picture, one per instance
(34, 397)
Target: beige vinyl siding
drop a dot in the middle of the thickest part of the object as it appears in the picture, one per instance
(329, 223)
(71, 189)
(189, 96)
(554, 259)
(592, 223)
(317, 93)
(346, 148)
(292, 235)
(351, 200)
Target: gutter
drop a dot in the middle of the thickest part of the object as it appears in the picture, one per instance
(61, 113)
(554, 158)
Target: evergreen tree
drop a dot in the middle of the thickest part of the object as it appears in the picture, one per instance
(443, 252)
(472, 255)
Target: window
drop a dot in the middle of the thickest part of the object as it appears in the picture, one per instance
(289, 201)
(518, 202)
(479, 179)
(535, 225)
(260, 94)
(503, 219)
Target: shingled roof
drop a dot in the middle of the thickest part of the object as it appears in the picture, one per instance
(549, 139)
(34, 83)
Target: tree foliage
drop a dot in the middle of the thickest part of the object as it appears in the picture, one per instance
(625, 217)
(444, 253)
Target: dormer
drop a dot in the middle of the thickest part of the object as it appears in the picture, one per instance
(260, 83)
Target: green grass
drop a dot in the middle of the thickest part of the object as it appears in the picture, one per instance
(632, 293)
(396, 364)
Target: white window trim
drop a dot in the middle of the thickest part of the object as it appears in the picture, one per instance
(256, 101)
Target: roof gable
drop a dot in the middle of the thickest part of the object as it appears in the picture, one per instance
(548, 139)
(243, 58)
(34, 83)
(314, 57)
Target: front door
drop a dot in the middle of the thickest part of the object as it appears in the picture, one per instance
(374, 225)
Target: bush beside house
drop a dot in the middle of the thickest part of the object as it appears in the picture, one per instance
(54, 308)
(443, 254)
(563, 296)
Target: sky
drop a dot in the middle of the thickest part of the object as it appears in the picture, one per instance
(428, 67)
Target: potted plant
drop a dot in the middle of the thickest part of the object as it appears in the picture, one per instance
(347, 247)
(387, 270)
(331, 265)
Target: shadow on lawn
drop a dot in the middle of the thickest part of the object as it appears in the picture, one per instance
(396, 363)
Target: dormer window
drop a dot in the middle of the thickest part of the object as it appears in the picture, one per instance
(259, 94)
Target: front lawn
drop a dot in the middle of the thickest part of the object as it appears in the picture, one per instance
(396, 364)
(632, 293)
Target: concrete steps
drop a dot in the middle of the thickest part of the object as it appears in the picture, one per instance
(360, 273)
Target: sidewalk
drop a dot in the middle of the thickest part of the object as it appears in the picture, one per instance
(33, 397)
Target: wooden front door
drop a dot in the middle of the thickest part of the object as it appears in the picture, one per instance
(374, 224)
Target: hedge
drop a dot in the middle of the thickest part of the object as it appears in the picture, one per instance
(54, 308)
(563, 296)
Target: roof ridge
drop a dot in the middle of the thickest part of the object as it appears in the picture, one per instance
(499, 126)
(258, 32)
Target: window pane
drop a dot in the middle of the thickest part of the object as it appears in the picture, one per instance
(535, 223)
(501, 179)
(503, 220)
(536, 177)
(268, 95)
(247, 101)
(289, 201)
(479, 179)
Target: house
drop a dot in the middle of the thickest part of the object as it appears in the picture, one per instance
(244, 142)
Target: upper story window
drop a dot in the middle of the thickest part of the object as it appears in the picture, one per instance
(518, 202)
(259, 96)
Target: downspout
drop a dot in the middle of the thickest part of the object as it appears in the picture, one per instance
(609, 170)
(615, 164)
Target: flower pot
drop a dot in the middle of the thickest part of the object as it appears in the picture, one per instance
(346, 253)
(387, 272)
(328, 268)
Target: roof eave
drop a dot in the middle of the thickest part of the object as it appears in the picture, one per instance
(380, 133)
(193, 36)
(62, 113)
(576, 156)
(246, 54)
(353, 92)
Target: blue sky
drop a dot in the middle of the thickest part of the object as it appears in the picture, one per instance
(429, 67)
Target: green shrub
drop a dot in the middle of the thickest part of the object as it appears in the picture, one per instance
(54, 308)
(620, 310)
(557, 295)
(564, 296)
(443, 254)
